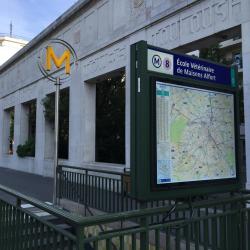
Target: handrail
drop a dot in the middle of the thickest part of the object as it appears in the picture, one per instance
(109, 218)
(117, 233)
(95, 170)
(78, 220)
(229, 211)
(70, 218)
(49, 224)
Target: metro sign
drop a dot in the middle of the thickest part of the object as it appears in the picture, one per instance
(51, 56)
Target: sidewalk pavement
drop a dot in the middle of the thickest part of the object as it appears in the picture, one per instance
(36, 186)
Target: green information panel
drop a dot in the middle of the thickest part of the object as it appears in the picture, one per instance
(184, 127)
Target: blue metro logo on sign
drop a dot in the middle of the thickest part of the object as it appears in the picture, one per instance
(188, 67)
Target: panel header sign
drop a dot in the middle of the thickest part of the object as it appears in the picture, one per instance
(189, 67)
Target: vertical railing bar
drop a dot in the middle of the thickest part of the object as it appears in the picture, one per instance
(206, 232)
(134, 241)
(157, 239)
(168, 238)
(197, 235)
(99, 192)
(108, 244)
(106, 195)
(248, 229)
(113, 196)
(121, 242)
(187, 230)
(110, 196)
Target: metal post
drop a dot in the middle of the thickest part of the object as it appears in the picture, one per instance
(57, 100)
(144, 237)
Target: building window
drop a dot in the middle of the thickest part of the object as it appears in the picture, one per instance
(110, 119)
(49, 112)
(9, 130)
(28, 130)
(63, 149)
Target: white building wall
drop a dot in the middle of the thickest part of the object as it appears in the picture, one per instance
(102, 35)
(9, 46)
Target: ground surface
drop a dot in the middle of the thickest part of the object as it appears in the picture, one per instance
(32, 185)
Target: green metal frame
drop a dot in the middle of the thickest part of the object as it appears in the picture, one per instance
(142, 121)
(218, 224)
(21, 229)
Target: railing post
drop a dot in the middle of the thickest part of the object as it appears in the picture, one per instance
(144, 238)
(122, 195)
(86, 192)
(18, 202)
(244, 226)
(80, 238)
(234, 229)
(59, 174)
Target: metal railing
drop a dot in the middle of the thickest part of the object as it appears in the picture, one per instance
(103, 190)
(216, 224)
(22, 229)
(220, 224)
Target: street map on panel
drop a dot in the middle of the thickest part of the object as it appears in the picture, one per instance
(195, 134)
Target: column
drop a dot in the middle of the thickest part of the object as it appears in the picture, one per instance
(79, 142)
(40, 138)
(246, 83)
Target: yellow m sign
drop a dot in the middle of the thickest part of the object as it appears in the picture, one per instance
(51, 56)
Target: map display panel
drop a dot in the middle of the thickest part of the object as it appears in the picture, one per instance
(195, 134)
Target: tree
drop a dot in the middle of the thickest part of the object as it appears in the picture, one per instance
(110, 120)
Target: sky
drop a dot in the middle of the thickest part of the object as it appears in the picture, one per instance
(30, 17)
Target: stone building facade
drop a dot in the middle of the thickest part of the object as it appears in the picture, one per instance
(101, 32)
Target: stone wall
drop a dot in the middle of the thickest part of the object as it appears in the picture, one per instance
(101, 34)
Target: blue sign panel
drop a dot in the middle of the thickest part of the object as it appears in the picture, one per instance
(189, 67)
(201, 70)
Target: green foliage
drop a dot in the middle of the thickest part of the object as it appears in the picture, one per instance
(110, 120)
(212, 53)
(49, 113)
(49, 108)
(32, 119)
(27, 149)
(12, 113)
(11, 131)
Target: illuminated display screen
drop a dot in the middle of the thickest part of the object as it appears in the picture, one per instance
(195, 134)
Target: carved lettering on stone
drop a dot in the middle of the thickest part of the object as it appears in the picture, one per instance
(138, 3)
(105, 62)
(138, 9)
(166, 34)
(237, 10)
(205, 19)
(77, 37)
